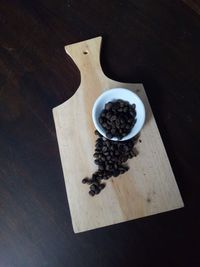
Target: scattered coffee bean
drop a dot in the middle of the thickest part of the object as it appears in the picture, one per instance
(89, 181)
(101, 167)
(104, 149)
(85, 180)
(97, 133)
(102, 186)
(97, 190)
(109, 157)
(96, 161)
(116, 173)
(92, 193)
(93, 187)
(96, 155)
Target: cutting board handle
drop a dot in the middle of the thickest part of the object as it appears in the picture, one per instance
(86, 55)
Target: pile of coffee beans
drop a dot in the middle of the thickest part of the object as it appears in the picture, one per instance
(110, 157)
(118, 118)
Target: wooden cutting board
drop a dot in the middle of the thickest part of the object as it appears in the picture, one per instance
(149, 187)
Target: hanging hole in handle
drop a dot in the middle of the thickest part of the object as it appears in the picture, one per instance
(85, 52)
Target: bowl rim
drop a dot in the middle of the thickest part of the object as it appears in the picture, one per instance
(102, 132)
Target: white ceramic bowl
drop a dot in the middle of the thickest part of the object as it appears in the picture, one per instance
(112, 95)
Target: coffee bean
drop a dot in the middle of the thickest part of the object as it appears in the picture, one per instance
(116, 173)
(113, 118)
(94, 186)
(128, 126)
(126, 168)
(115, 166)
(99, 179)
(112, 147)
(109, 135)
(113, 131)
(96, 155)
(92, 193)
(130, 144)
(100, 120)
(96, 161)
(108, 115)
(89, 181)
(104, 125)
(116, 153)
(103, 113)
(133, 153)
(107, 142)
(108, 106)
(114, 159)
(126, 103)
(94, 175)
(109, 167)
(98, 145)
(126, 148)
(124, 158)
(97, 133)
(109, 123)
(101, 167)
(85, 180)
(97, 190)
(132, 113)
(99, 174)
(121, 104)
(102, 186)
(110, 156)
(104, 149)
(99, 140)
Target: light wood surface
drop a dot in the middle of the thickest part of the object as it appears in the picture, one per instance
(149, 187)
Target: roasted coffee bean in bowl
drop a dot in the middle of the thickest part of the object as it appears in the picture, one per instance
(118, 114)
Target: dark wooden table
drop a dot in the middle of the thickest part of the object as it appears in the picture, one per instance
(153, 42)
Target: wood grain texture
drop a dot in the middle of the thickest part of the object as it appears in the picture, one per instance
(149, 187)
